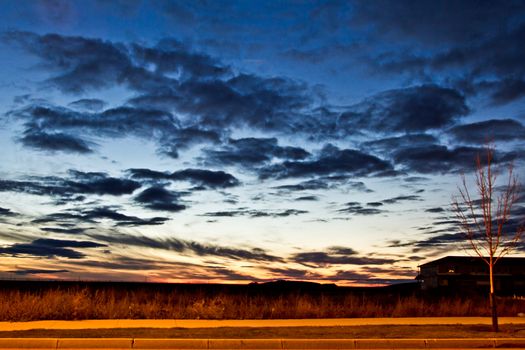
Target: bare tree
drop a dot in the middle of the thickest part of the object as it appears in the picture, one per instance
(486, 222)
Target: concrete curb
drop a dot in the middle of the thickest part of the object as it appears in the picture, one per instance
(256, 344)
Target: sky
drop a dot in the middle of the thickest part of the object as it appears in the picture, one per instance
(250, 141)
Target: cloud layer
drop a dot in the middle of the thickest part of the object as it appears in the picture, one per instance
(355, 134)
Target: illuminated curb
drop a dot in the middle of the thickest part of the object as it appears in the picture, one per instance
(256, 344)
(93, 343)
(28, 343)
(170, 344)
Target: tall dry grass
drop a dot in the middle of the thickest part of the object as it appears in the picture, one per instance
(108, 303)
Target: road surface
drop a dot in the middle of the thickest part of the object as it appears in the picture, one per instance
(334, 322)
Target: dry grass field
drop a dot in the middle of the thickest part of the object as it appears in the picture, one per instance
(109, 301)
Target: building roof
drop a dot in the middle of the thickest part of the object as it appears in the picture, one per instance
(473, 260)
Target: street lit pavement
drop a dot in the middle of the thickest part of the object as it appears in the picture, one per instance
(255, 344)
(333, 322)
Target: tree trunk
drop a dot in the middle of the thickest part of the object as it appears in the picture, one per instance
(493, 306)
(494, 309)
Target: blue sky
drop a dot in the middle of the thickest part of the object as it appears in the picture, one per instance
(237, 141)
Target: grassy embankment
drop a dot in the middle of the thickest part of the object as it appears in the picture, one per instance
(78, 301)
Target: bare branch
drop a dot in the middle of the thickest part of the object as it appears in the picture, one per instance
(483, 222)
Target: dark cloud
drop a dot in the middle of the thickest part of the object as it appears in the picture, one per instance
(398, 199)
(114, 122)
(82, 63)
(46, 247)
(326, 182)
(331, 160)
(134, 221)
(294, 274)
(86, 64)
(93, 216)
(441, 240)
(222, 272)
(52, 142)
(437, 159)
(171, 56)
(415, 179)
(447, 230)
(186, 137)
(127, 263)
(316, 184)
(104, 186)
(341, 250)
(416, 258)
(489, 63)
(487, 131)
(163, 100)
(254, 213)
(367, 278)
(396, 243)
(69, 231)
(356, 208)
(88, 104)
(221, 101)
(199, 177)
(63, 219)
(499, 55)
(148, 174)
(256, 254)
(446, 221)
(66, 243)
(276, 104)
(53, 127)
(26, 272)
(120, 219)
(337, 256)
(435, 210)
(253, 151)
(413, 109)
(398, 272)
(159, 198)
(374, 204)
(86, 175)
(203, 87)
(347, 181)
(31, 187)
(184, 246)
(391, 144)
(6, 212)
(205, 178)
(173, 82)
(78, 183)
(307, 198)
(343, 275)
(140, 241)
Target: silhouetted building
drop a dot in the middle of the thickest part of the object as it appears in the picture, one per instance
(464, 272)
